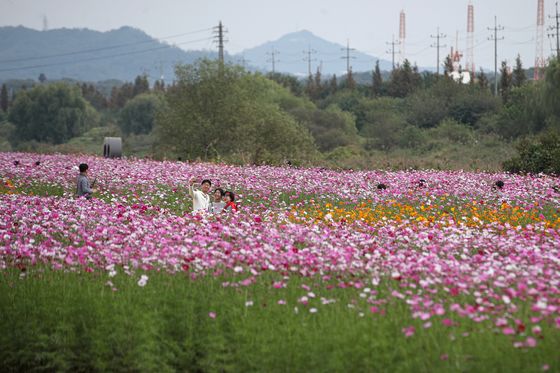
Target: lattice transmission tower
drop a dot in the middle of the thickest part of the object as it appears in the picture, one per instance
(469, 63)
(402, 35)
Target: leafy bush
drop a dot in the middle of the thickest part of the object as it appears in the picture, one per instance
(138, 115)
(524, 114)
(216, 111)
(452, 131)
(536, 157)
(330, 128)
(52, 113)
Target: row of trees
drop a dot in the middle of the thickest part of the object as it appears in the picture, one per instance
(215, 111)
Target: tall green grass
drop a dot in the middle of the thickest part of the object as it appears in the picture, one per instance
(69, 321)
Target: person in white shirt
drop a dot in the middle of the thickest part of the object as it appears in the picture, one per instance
(201, 199)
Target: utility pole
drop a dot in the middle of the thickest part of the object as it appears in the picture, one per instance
(273, 59)
(219, 38)
(494, 37)
(557, 33)
(438, 46)
(348, 57)
(244, 62)
(309, 52)
(392, 50)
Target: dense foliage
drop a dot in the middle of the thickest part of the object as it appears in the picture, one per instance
(52, 113)
(401, 119)
(218, 111)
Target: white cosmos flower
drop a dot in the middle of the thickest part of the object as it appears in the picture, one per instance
(143, 281)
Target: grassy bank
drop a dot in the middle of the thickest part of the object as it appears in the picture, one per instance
(64, 321)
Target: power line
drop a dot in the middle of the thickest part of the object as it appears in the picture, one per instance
(438, 46)
(102, 48)
(272, 59)
(392, 51)
(219, 39)
(99, 58)
(308, 58)
(519, 29)
(494, 37)
(348, 57)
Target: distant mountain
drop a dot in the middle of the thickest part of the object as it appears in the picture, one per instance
(291, 53)
(122, 54)
(88, 55)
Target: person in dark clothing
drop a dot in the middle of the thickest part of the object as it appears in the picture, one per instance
(83, 188)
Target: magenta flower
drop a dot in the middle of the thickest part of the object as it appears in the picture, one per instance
(408, 331)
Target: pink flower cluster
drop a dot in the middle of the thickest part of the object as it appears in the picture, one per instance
(436, 270)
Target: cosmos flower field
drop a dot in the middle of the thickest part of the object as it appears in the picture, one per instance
(318, 271)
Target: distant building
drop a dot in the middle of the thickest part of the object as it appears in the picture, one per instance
(457, 74)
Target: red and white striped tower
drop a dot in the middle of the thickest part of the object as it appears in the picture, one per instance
(539, 54)
(469, 63)
(402, 35)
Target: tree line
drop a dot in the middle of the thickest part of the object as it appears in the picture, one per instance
(222, 112)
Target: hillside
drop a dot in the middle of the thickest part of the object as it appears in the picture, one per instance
(290, 52)
(88, 55)
(122, 54)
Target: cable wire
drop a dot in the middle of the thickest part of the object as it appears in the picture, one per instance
(100, 57)
(102, 48)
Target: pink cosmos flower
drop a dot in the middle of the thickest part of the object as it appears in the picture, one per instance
(408, 331)
(447, 322)
(508, 330)
(212, 315)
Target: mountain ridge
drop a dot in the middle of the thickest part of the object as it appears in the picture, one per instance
(89, 55)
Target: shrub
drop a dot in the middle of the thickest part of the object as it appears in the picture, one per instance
(536, 157)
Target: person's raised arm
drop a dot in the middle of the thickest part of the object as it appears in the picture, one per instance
(191, 187)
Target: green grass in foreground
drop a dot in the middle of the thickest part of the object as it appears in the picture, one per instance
(57, 321)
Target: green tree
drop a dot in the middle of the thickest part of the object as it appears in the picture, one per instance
(404, 80)
(159, 86)
(42, 78)
(138, 115)
(333, 85)
(519, 76)
(51, 113)
(141, 85)
(221, 111)
(525, 113)
(350, 82)
(350, 101)
(318, 83)
(120, 95)
(505, 82)
(383, 124)
(377, 81)
(552, 87)
(4, 100)
(542, 155)
(287, 81)
(330, 128)
(93, 96)
(310, 87)
(425, 109)
(448, 67)
(483, 80)
(471, 103)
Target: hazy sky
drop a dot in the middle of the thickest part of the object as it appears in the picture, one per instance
(367, 24)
